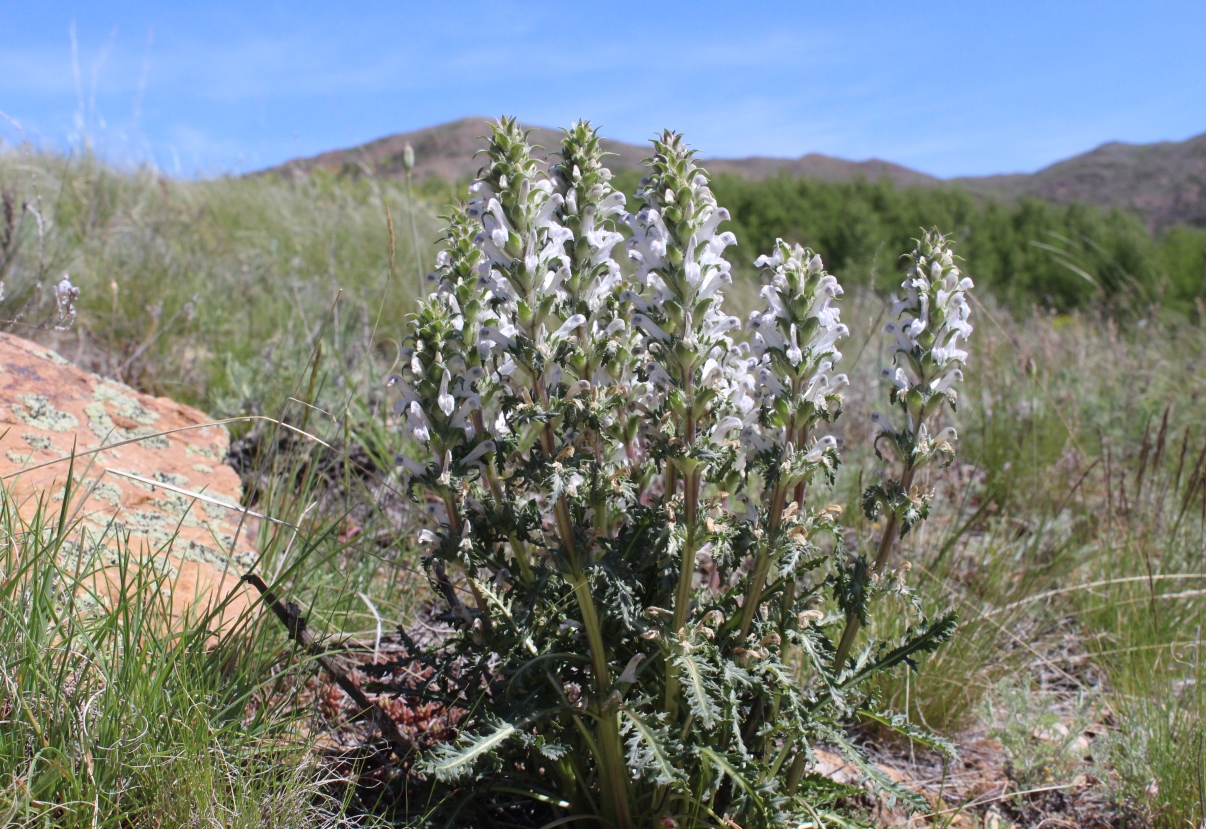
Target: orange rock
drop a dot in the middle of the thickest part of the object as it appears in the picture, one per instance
(163, 455)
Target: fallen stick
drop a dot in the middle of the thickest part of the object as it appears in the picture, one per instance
(295, 623)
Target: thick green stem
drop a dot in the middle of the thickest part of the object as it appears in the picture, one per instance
(753, 596)
(517, 545)
(853, 623)
(795, 772)
(682, 594)
(613, 771)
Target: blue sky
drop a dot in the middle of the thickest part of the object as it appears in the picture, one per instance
(968, 88)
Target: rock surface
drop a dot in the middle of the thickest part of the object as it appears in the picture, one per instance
(143, 488)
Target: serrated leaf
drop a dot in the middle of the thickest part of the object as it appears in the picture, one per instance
(879, 779)
(696, 689)
(667, 773)
(453, 761)
(900, 724)
(938, 631)
(732, 771)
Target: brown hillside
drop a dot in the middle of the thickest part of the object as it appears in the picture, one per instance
(823, 168)
(1165, 183)
(447, 151)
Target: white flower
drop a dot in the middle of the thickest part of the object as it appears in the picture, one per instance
(933, 316)
(799, 297)
(445, 400)
(482, 449)
(65, 296)
(416, 422)
(817, 452)
(568, 327)
(650, 328)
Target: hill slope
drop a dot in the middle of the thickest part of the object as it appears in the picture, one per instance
(1165, 183)
(447, 151)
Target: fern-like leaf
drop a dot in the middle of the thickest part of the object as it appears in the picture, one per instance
(695, 686)
(647, 749)
(727, 768)
(454, 761)
(901, 725)
(934, 634)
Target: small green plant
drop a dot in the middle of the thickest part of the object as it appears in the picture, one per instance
(1044, 748)
(657, 615)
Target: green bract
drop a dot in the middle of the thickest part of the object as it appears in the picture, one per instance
(645, 582)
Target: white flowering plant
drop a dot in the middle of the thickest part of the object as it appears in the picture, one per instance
(657, 612)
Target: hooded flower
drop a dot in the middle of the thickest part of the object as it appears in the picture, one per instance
(793, 353)
(927, 351)
(678, 252)
(932, 319)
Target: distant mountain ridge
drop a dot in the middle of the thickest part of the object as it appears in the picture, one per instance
(1165, 183)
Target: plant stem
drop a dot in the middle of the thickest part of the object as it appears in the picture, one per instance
(682, 595)
(753, 596)
(454, 528)
(613, 771)
(795, 771)
(517, 545)
(853, 624)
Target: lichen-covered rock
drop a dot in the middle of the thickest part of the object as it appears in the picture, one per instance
(140, 488)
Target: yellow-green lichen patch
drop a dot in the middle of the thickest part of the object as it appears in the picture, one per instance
(95, 488)
(95, 553)
(99, 421)
(178, 509)
(171, 478)
(53, 357)
(39, 442)
(203, 553)
(114, 399)
(208, 451)
(203, 468)
(196, 551)
(156, 526)
(36, 410)
(103, 427)
(219, 512)
(108, 492)
(16, 457)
